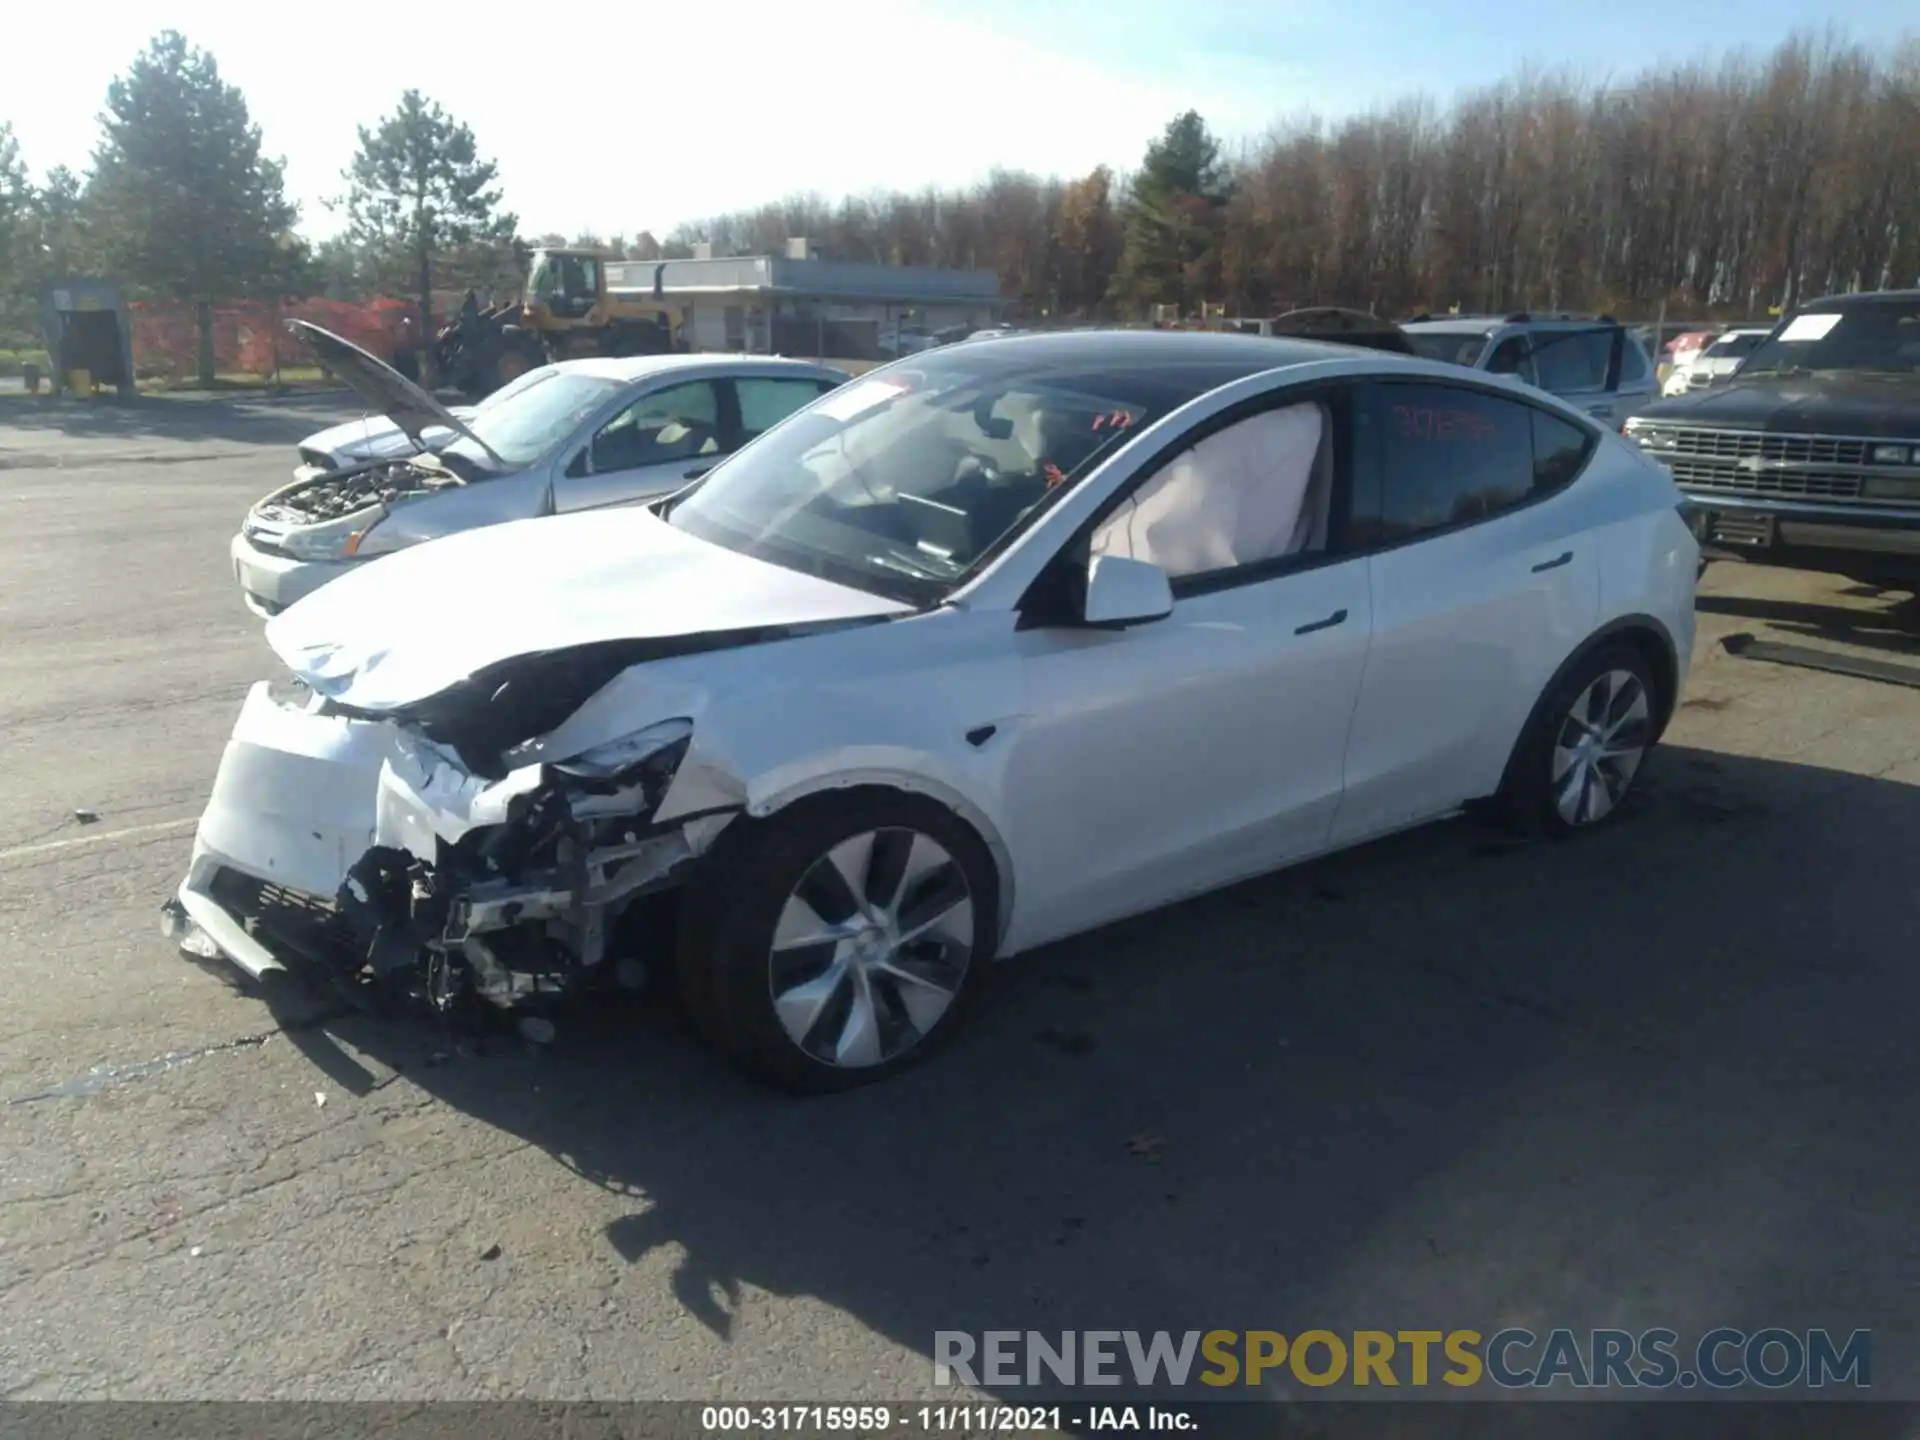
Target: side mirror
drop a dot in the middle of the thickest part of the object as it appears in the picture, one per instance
(1123, 592)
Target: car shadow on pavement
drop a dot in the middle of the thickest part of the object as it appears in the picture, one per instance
(263, 418)
(1892, 625)
(1660, 1075)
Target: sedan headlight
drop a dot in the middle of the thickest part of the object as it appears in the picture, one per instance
(1890, 454)
(657, 748)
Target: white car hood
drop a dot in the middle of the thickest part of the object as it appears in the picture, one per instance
(406, 626)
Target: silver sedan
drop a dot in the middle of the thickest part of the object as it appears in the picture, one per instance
(573, 436)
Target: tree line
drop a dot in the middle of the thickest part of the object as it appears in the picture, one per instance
(182, 203)
(1723, 187)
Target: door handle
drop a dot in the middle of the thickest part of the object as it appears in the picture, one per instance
(1336, 618)
(1565, 558)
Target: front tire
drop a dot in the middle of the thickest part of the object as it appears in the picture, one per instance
(1585, 745)
(839, 941)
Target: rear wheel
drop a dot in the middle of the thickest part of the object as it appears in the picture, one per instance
(1585, 745)
(838, 942)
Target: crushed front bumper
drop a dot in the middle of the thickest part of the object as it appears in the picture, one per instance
(293, 807)
(368, 850)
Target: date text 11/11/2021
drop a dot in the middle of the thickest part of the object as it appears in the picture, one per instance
(939, 1419)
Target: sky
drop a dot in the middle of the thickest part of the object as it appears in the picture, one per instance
(623, 117)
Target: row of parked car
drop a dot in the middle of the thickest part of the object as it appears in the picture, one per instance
(1700, 358)
(812, 695)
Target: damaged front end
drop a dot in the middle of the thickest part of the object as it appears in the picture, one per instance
(436, 852)
(510, 891)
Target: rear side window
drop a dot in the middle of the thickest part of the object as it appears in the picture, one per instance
(765, 402)
(1435, 457)
(1560, 451)
(1573, 362)
(1633, 361)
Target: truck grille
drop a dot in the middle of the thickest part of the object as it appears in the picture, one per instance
(1749, 462)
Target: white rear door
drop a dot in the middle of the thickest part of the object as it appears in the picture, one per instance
(1483, 581)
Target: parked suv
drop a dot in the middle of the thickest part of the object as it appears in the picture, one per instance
(1591, 361)
(1809, 454)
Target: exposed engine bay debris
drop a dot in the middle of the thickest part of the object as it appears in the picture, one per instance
(333, 497)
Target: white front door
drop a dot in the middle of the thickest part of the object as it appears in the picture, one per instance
(1183, 754)
(1187, 752)
(648, 448)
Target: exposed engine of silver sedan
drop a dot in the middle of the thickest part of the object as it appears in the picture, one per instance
(334, 497)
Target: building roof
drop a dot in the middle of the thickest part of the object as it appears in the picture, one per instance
(772, 276)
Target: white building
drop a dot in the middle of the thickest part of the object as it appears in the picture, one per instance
(794, 304)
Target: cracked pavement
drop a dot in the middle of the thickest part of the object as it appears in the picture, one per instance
(1660, 1076)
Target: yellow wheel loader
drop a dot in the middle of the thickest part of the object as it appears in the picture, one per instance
(565, 311)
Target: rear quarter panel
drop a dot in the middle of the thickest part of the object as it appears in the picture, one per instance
(1649, 560)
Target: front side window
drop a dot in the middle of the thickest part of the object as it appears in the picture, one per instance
(1253, 492)
(522, 429)
(1442, 457)
(902, 482)
(679, 422)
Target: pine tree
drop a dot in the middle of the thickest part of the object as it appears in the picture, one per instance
(16, 217)
(1174, 218)
(185, 204)
(418, 188)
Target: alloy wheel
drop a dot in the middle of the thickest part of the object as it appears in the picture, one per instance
(1601, 743)
(871, 947)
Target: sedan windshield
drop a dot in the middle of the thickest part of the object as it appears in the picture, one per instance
(526, 426)
(1450, 347)
(1878, 337)
(902, 483)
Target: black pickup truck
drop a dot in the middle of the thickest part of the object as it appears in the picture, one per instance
(1809, 454)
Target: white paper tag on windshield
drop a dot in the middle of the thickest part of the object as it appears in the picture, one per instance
(860, 397)
(1811, 327)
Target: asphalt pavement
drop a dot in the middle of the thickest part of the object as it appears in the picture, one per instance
(1662, 1075)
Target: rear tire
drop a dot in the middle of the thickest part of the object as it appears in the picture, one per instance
(839, 941)
(1584, 746)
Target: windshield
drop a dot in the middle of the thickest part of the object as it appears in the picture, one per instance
(1879, 338)
(1451, 347)
(902, 483)
(512, 388)
(527, 425)
(1733, 347)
